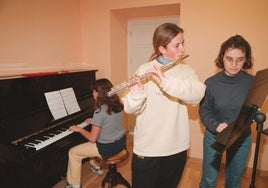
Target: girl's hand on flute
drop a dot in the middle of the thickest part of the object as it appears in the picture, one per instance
(137, 86)
(157, 74)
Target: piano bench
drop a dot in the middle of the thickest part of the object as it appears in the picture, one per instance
(113, 177)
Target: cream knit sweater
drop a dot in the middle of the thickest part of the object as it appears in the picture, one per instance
(162, 124)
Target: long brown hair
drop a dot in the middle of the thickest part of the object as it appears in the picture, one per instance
(163, 35)
(102, 86)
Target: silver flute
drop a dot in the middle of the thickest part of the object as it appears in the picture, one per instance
(131, 82)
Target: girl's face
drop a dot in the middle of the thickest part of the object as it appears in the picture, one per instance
(233, 61)
(95, 94)
(175, 49)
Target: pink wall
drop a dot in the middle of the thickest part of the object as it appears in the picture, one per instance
(110, 31)
(39, 35)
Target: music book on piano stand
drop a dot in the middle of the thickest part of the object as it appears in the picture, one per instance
(62, 102)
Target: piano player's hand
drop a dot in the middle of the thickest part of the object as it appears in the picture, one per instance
(75, 128)
(88, 120)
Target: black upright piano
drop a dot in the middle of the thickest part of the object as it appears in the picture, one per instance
(26, 121)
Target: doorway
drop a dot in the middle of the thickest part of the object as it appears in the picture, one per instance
(140, 34)
(121, 55)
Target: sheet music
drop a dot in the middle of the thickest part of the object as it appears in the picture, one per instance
(70, 100)
(55, 104)
(62, 102)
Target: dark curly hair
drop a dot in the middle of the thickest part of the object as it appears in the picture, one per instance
(238, 42)
(102, 86)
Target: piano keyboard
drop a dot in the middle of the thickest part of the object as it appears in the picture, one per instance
(43, 140)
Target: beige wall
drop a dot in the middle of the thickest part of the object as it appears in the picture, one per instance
(44, 35)
(39, 36)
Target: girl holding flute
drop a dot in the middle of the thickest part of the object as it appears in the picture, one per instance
(161, 134)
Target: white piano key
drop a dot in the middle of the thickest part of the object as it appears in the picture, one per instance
(56, 137)
(29, 146)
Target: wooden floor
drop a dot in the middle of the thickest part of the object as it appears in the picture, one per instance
(191, 176)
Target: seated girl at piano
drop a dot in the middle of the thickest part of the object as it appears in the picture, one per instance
(107, 135)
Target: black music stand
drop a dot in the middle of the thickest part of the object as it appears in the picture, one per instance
(259, 118)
